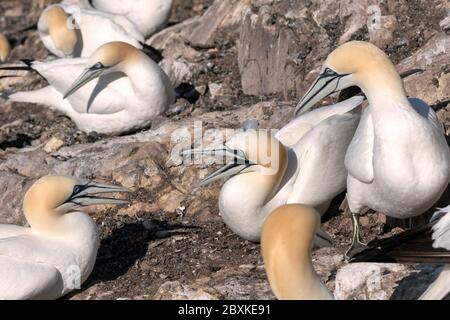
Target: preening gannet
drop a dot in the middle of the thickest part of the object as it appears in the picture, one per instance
(399, 160)
(131, 89)
(5, 48)
(149, 16)
(70, 31)
(425, 244)
(286, 243)
(58, 251)
(265, 174)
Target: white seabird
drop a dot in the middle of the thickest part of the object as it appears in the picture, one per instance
(70, 31)
(398, 162)
(58, 251)
(286, 243)
(265, 174)
(149, 16)
(131, 89)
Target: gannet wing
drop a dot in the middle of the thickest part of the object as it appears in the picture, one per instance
(290, 134)
(427, 112)
(321, 174)
(107, 95)
(425, 244)
(7, 231)
(359, 157)
(20, 280)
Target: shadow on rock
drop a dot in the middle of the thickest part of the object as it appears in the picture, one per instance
(126, 245)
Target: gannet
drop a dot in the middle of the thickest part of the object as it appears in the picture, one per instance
(398, 162)
(149, 16)
(59, 249)
(286, 242)
(5, 48)
(266, 174)
(424, 244)
(70, 31)
(130, 92)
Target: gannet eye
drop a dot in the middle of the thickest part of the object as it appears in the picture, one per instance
(77, 189)
(98, 66)
(328, 72)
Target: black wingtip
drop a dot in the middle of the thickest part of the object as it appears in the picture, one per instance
(154, 54)
(28, 62)
(187, 91)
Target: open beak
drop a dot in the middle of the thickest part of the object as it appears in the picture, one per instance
(87, 196)
(326, 84)
(87, 76)
(235, 160)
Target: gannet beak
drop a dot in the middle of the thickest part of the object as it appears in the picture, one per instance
(85, 195)
(87, 76)
(237, 164)
(326, 84)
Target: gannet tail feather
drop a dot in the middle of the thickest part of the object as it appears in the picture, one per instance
(439, 289)
(153, 53)
(187, 91)
(26, 65)
(418, 245)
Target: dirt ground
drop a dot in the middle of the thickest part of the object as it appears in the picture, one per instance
(139, 254)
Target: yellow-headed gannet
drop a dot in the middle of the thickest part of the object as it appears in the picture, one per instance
(58, 252)
(5, 48)
(131, 89)
(286, 243)
(424, 244)
(149, 16)
(70, 31)
(265, 174)
(399, 160)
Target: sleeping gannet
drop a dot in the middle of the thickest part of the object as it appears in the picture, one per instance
(58, 251)
(149, 16)
(398, 162)
(286, 242)
(5, 48)
(265, 174)
(424, 244)
(131, 89)
(70, 31)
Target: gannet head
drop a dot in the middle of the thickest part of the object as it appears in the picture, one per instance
(54, 196)
(5, 48)
(355, 63)
(286, 242)
(249, 151)
(61, 30)
(108, 58)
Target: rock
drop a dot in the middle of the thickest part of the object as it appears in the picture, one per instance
(12, 191)
(381, 30)
(432, 85)
(54, 144)
(177, 70)
(445, 24)
(171, 201)
(240, 284)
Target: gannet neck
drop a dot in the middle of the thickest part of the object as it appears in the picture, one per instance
(286, 242)
(5, 48)
(372, 71)
(61, 31)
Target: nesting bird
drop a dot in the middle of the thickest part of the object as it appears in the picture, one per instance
(5, 48)
(398, 162)
(149, 16)
(286, 243)
(264, 174)
(118, 89)
(70, 31)
(424, 244)
(58, 251)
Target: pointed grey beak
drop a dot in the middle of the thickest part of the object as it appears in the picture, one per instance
(326, 84)
(237, 164)
(87, 76)
(87, 195)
